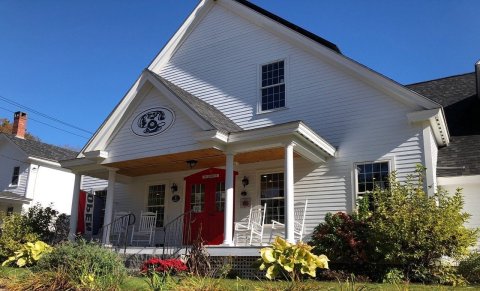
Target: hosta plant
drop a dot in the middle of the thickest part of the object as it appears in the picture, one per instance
(29, 254)
(292, 260)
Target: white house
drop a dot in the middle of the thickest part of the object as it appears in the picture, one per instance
(239, 94)
(30, 172)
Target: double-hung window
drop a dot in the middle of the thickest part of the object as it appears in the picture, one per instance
(273, 86)
(156, 201)
(271, 193)
(371, 175)
(15, 176)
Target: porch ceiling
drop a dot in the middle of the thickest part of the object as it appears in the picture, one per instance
(206, 158)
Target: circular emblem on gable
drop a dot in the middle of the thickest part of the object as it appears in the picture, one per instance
(153, 121)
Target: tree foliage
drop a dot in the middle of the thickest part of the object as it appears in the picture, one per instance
(6, 127)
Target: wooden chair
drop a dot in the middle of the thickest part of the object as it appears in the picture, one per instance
(252, 226)
(299, 213)
(145, 230)
(119, 225)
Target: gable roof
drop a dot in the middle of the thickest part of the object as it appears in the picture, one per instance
(208, 112)
(41, 150)
(290, 25)
(461, 104)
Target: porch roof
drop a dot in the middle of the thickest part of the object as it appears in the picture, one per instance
(9, 196)
(249, 146)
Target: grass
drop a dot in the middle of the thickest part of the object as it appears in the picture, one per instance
(198, 283)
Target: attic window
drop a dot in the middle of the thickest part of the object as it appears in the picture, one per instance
(273, 86)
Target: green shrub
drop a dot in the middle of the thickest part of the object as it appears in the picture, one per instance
(291, 259)
(469, 268)
(15, 233)
(88, 265)
(29, 254)
(400, 227)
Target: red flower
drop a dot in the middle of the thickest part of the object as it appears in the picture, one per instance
(163, 266)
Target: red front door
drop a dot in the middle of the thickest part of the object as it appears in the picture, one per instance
(205, 198)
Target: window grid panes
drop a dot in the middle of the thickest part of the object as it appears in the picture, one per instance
(273, 86)
(197, 198)
(371, 175)
(271, 193)
(15, 176)
(220, 197)
(156, 202)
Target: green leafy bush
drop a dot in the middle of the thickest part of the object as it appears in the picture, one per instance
(292, 259)
(469, 268)
(88, 265)
(15, 233)
(29, 254)
(400, 227)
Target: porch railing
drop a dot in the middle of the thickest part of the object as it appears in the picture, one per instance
(119, 226)
(177, 235)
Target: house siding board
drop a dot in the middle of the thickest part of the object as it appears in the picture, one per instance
(93, 184)
(126, 145)
(11, 157)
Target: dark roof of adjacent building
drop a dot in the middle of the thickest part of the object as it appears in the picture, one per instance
(458, 95)
(206, 111)
(42, 150)
(290, 25)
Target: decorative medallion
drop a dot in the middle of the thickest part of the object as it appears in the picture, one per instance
(153, 121)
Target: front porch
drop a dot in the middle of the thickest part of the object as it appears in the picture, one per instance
(217, 185)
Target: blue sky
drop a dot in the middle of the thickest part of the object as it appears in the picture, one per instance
(74, 60)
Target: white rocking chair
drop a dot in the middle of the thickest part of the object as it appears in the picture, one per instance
(252, 226)
(299, 213)
(145, 230)
(119, 226)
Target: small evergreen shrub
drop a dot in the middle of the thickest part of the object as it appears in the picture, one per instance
(88, 265)
(469, 268)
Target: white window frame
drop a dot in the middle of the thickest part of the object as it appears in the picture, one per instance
(391, 168)
(11, 185)
(259, 187)
(147, 189)
(259, 85)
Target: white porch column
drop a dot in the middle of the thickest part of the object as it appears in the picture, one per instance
(74, 208)
(229, 203)
(289, 194)
(109, 205)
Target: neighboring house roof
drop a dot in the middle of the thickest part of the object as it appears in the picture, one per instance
(290, 25)
(458, 95)
(208, 112)
(41, 150)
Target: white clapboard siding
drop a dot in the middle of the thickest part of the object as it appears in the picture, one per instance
(93, 184)
(11, 157)
(127, 145)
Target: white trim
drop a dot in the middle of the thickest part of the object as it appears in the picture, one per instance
(436, 119)
(428, 161)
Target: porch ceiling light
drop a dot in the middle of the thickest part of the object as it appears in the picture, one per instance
(192, 163)
(174, 188)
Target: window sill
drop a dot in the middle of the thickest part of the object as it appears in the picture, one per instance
(259, 112)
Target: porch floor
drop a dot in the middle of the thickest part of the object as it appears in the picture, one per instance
(214, 251)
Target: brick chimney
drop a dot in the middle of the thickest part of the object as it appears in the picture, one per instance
(477, 74)
(19, 124)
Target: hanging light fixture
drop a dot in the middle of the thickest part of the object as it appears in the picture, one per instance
(192, 163)
(245, 182)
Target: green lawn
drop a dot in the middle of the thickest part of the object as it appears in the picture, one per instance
(196, 283)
